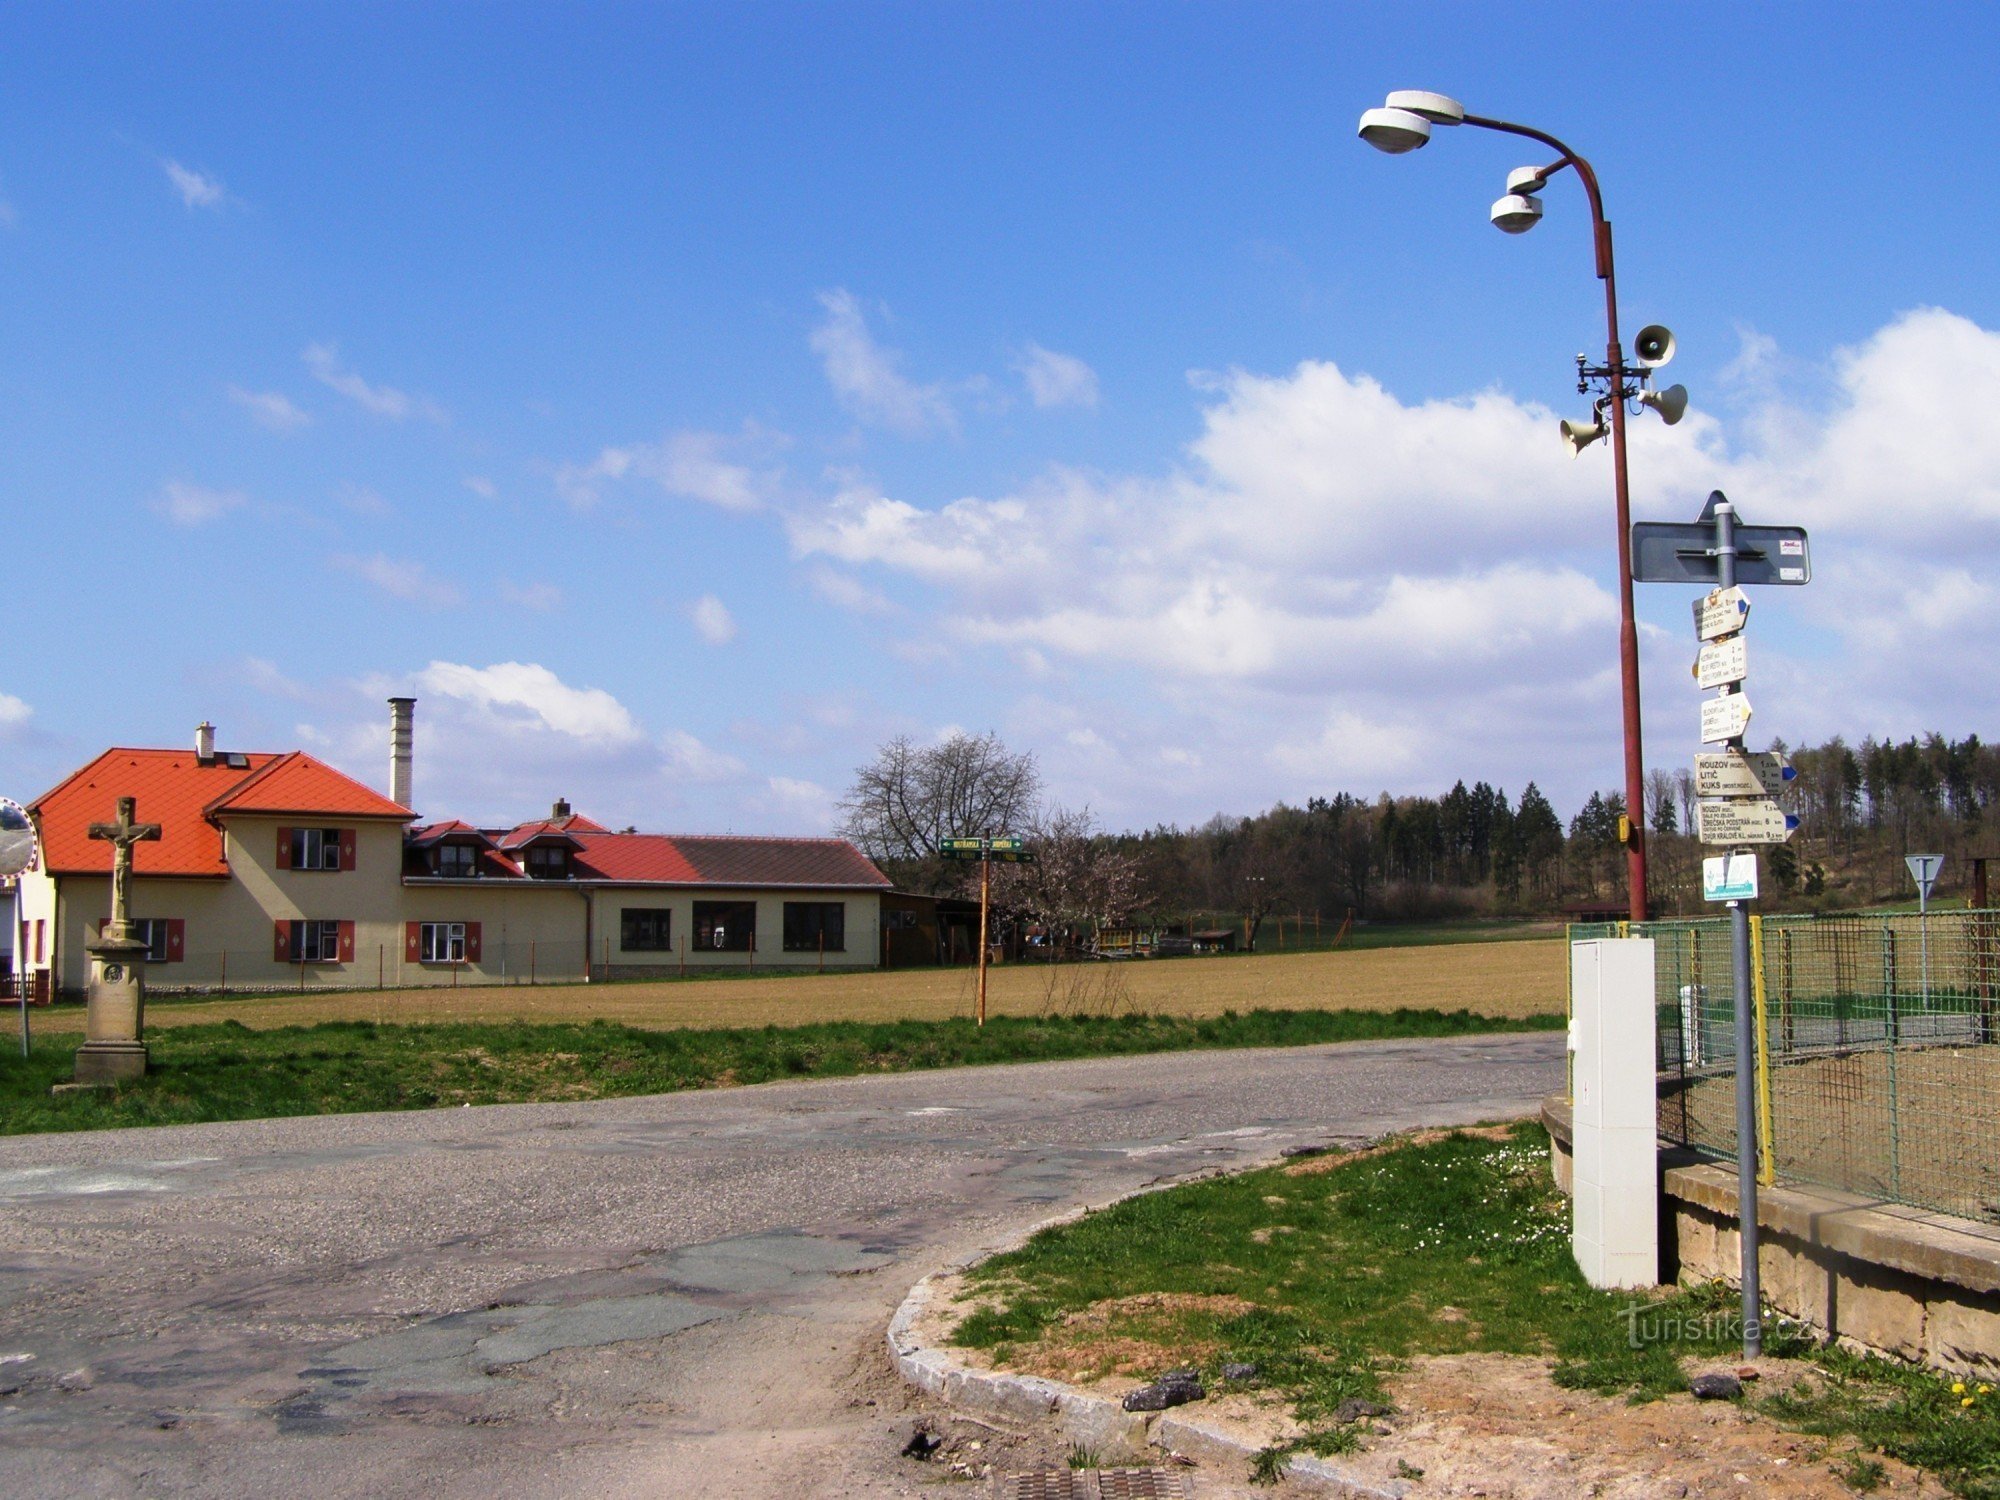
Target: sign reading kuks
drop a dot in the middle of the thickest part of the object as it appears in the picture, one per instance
(1741, 773)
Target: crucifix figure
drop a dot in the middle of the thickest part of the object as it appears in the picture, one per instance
(122, 835)
(113, 1051)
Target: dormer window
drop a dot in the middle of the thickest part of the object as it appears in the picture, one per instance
(548, 862)
(458, 861)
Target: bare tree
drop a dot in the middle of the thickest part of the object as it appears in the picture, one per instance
(911, 796)
(1079, 880)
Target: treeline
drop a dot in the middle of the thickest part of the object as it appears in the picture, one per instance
(1473, 851)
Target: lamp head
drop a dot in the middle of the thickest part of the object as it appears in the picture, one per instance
(1671, 404)
(1437, 108)
(1516, 213)
(1578, 436)
(1526, 181)
(1394, 130)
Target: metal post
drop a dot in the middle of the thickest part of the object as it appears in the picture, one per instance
(985, 895)
(1742, 990)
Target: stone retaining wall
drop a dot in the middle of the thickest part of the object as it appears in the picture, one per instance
(1877, 1276)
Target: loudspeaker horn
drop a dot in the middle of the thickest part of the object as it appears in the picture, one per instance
(1578, 436)
(1654, 346)
(1671, 404)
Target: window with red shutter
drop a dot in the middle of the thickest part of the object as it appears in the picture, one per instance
(413, 942)
(284, 848)
(347, 942)
(472, 942)
(283, 951)
(347, 842)
(176, 939)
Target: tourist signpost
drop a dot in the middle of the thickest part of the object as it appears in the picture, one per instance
(1007, 849)
(1734, 787)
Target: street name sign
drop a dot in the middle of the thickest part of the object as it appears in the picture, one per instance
(1720, 612)
(1723, 662)
(1729, 877)
(1685, 552)
(1724, 718)
(1745, 820)
(1924, 870)
(1741, 773)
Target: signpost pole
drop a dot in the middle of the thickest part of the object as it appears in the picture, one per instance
(985, 898)
(1746, 1026)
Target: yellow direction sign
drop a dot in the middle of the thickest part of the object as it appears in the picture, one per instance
(1741, 773)
(1746, 820)
(1723, 662)
(1724, 718)
(1720, 612)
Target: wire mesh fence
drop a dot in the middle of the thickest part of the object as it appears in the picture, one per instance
(1878, 1049)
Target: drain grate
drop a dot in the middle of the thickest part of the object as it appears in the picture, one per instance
(1096, 1484)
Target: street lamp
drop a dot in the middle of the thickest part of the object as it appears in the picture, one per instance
(1404, 123)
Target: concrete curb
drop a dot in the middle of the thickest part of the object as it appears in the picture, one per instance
(1094, 1422)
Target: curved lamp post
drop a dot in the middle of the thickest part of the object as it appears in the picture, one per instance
(1404, 123)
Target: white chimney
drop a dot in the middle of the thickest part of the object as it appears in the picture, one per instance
(401, 712)
(204, 742)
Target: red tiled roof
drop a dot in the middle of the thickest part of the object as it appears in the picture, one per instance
(674, 859)
(541, 828)
(431, 833)
(297, 783)
(173, 789)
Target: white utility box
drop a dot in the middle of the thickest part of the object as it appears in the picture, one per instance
(1615, 1223)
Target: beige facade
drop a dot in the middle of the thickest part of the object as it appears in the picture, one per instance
(523, 931)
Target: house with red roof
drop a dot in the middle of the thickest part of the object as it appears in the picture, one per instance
(280, 871)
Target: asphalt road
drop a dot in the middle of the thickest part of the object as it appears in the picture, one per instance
(678, 1295)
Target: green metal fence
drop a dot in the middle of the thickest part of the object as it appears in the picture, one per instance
(1878, 1058)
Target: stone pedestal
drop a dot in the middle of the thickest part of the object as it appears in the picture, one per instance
(112, 1051)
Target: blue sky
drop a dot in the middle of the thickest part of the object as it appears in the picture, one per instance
(682, 399)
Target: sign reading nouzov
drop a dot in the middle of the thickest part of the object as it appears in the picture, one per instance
(1722, 662)
(1744, 820)
(1007, 849)
(1741, 773)
(1720, 612)
(1724, 718)
(1729, 877)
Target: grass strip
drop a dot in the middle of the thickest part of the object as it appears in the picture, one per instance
(1329, 1274)
(231, 1072)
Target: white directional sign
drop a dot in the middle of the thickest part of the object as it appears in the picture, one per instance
(1741, 773)
(1724, 718)
(1729, 877)
(1720, 612)
(1924, 870)
(1746, 820)
(1723, 662)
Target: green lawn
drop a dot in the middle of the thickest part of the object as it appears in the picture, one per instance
(1327, 1280)
(231, 1072)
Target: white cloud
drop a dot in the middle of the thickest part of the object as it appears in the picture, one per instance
(403, 578)
(1057, 379)
(796, 803)
(687, 758)
(323, 360)
(867, 378)
(197, 189)
(848, 593)
(272, 409)
(527, 696)
(707, 466)
(196, 505)
(712, 620)
(481, 486)
(1337, 587)
(265, 677)
(13, 712)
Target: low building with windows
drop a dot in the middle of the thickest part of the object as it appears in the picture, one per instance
(279, 871)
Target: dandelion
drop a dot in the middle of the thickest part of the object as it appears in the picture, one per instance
(1966, 1402)
(1958, 1387)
